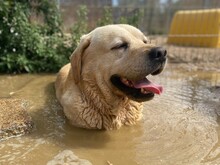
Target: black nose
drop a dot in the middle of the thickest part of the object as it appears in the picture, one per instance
(158, 53)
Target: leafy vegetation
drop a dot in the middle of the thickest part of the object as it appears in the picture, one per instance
(107, 17)
(31, 46)
(26, 46)
(80, 27)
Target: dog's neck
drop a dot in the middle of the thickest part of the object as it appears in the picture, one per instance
(115, 111)
(102, 99)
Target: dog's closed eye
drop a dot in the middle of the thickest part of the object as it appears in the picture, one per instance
(123, 45)
(146, 40)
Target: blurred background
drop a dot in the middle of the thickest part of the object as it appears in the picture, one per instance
(49, 30)
(151, 16)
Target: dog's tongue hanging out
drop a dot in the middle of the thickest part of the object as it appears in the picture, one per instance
(148, 86)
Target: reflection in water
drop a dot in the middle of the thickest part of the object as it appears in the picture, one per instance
(68, 157)
(179, 127)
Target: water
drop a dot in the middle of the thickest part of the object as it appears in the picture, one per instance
(179, 127)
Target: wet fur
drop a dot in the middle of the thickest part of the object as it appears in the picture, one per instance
(83, 87)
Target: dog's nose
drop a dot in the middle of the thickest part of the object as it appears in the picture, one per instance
(158, 53)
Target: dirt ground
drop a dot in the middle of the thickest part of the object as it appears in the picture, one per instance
(14, 119)
(197, 58)
(190, 58)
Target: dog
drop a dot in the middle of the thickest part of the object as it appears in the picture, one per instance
(105, 83)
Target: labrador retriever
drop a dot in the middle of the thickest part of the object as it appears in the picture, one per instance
(105, 83)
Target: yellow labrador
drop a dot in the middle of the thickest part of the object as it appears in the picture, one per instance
(105, 83)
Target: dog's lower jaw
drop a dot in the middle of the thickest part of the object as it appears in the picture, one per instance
(98, 113)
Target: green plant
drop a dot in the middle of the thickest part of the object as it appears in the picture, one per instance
(30, 46)
(50, 12)
(107, 17)
(80, 27)
(27, 47)
(133, 19)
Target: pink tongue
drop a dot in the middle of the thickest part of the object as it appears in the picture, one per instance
(149, 86)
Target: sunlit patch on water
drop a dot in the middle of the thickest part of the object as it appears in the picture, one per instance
(179, 127)
(68, 157)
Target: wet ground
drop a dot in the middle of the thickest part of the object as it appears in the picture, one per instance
(179, 127)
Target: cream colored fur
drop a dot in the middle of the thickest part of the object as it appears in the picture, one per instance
(83, 87)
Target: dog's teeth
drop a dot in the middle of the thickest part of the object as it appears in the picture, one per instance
(124, 80)
(144, 91)
(127, 82)
(130, 84)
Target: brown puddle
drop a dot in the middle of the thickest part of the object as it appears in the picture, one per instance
(179, 127)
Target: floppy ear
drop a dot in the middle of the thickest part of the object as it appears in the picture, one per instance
(76, 57)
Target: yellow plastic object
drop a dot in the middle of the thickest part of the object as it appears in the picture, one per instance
(196, 28)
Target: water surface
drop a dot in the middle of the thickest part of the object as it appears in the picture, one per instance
(179, 127)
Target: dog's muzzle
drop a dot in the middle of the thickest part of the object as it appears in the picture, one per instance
(158, 54)
(143, 89)
(158, 57)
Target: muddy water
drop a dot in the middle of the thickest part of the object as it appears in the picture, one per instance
(179, 127)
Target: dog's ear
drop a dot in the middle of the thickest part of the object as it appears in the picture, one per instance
(76, 57)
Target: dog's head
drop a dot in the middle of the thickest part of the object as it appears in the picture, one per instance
(119, 58)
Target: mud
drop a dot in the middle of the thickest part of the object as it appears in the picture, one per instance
(179, 127)
(14, 119)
